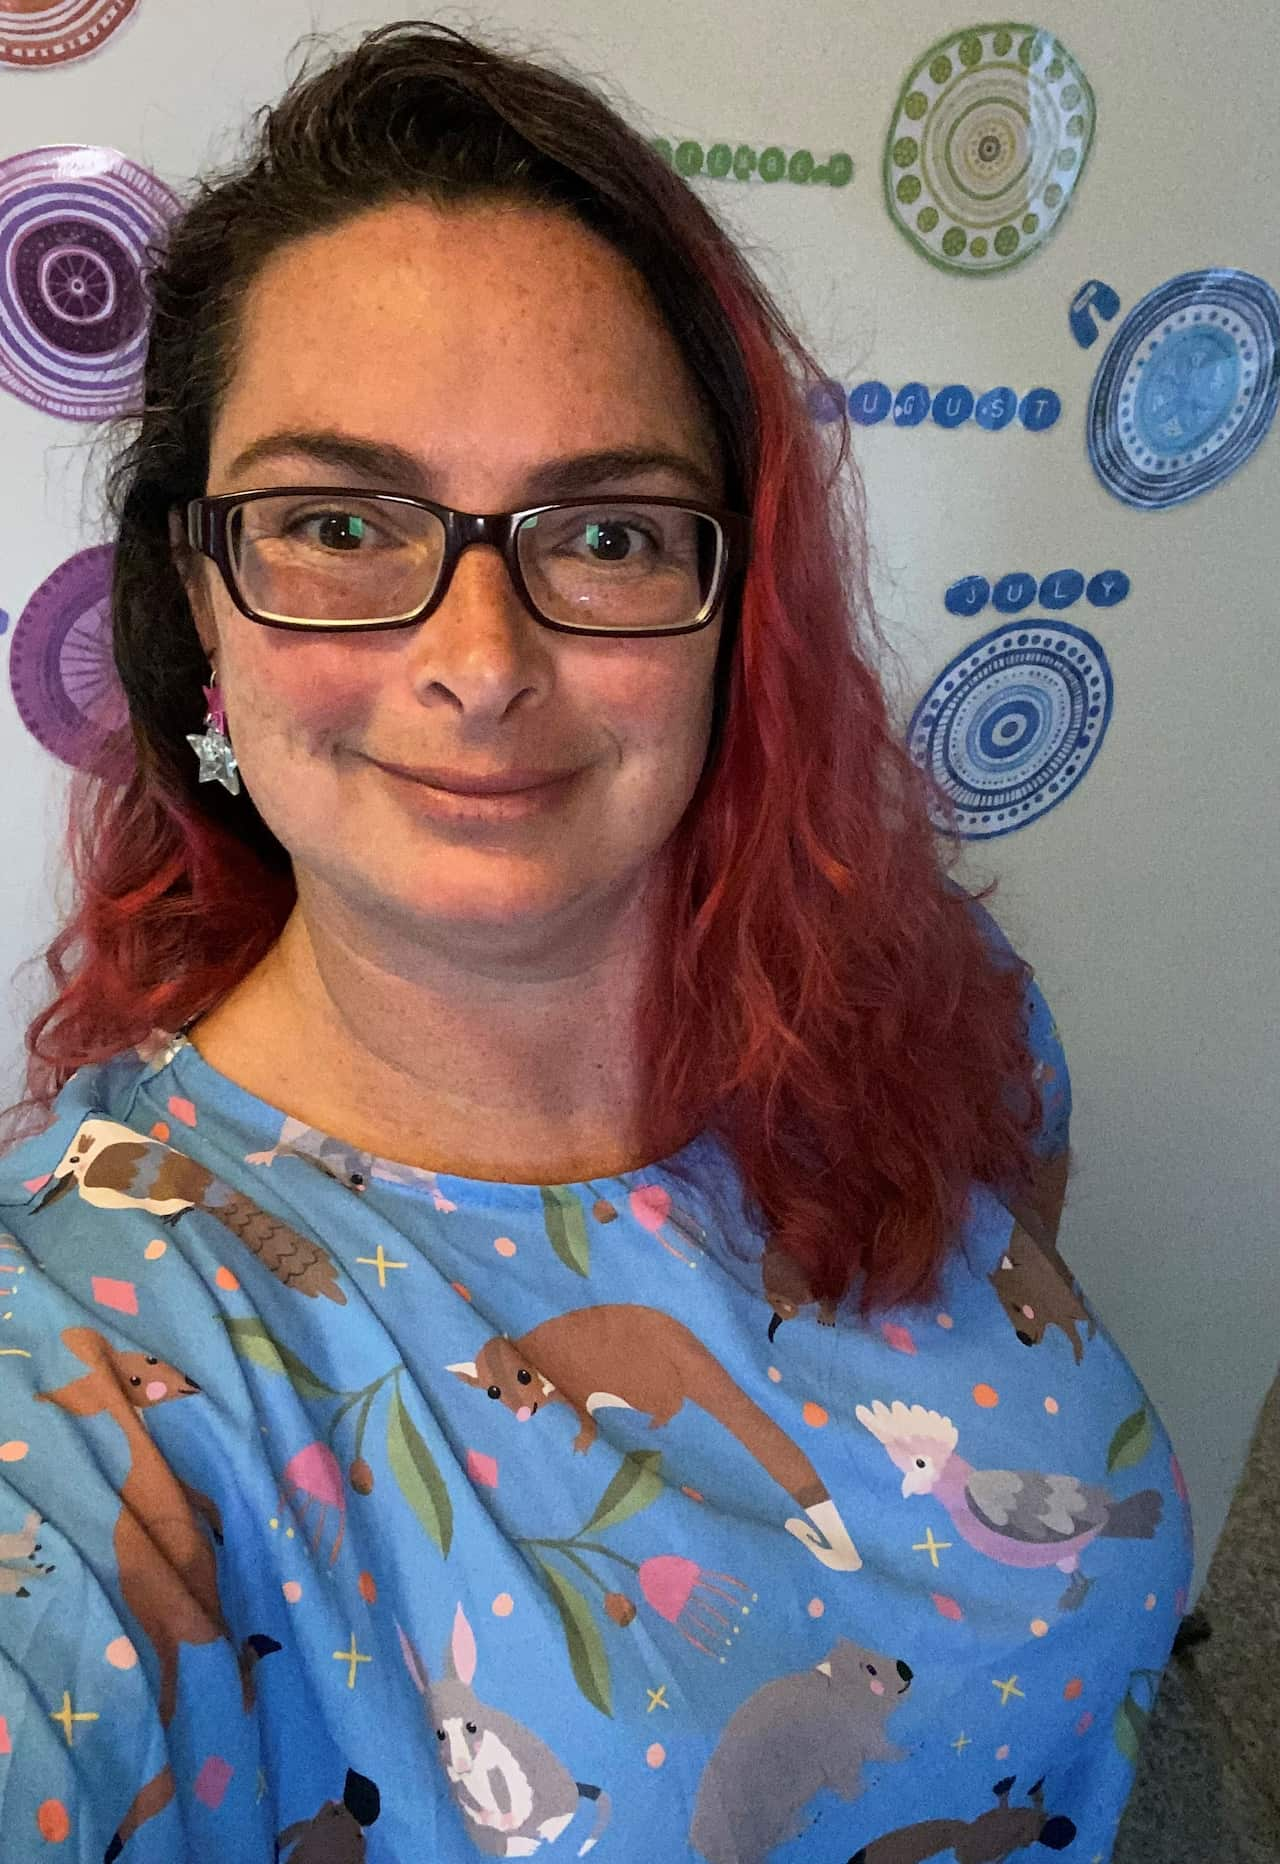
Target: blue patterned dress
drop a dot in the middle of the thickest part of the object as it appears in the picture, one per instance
(348, 1511)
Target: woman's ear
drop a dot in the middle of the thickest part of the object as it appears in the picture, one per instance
(188, 565)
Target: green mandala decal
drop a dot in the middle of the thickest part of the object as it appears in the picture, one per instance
(989, 138)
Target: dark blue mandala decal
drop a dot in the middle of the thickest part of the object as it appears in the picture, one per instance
(1012, 724)
(1187, 388)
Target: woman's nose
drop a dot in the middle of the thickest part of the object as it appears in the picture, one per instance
(481, 647)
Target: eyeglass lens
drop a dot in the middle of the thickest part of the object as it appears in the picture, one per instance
(618, 563)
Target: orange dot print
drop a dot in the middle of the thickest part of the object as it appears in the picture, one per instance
(462, 1289)
(691, 1493)
(292, 1590)
(1149, 1603)
(1051, 1406)
(656, 1754)
(503, 1605)
(986, 1395)
(120, 1653)
(226, 1281)
(504, 1245)
(155, 1249)
(1039, 1628)
(945, 1322)
(160, 1130)
(816, 1608)
(52, 1821)
(13, 1451)
(814, 1414)
(368, 1586)
(1074, 1689)
(775, 1375)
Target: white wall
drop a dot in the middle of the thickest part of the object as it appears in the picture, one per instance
(1147, 900)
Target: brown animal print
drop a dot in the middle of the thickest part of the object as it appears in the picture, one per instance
(644, 1360)
(1037, 1293)
(168, 1575)
(787, 1290)
(990, 1839)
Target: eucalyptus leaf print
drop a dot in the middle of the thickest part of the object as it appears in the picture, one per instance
(414, 1468)
(635, 1484)
(587, 1656)
(1131, 1442)
(566, 1227)
(1129, 1724)
(253, 1342)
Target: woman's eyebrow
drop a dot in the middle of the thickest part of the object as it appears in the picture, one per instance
(398, 470)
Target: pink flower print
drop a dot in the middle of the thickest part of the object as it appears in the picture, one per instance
(314, 1477)
(653, 1210)
(681, 1591)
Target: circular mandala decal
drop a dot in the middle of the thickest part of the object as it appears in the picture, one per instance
(38, 33)
(1012, 724)
(988, 139)
(64, 680)
(74, 225)
(1187, 387)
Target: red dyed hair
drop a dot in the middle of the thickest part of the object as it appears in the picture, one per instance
(820, 995)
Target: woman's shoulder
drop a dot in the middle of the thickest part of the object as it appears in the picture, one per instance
(103, 1091)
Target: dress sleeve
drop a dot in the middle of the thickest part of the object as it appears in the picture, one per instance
(102, 1550)
(1045, 1041)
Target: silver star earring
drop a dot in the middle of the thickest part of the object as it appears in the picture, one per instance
(212, 746)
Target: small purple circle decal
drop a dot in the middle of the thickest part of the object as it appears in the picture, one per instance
(75, 222)
(64, 679)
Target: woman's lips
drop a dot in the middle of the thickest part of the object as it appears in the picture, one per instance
(499, 803)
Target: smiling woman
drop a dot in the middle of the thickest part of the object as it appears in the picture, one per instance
(566, 1074)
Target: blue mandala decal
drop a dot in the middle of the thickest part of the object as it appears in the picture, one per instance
(1187, 388)
(1012, 724)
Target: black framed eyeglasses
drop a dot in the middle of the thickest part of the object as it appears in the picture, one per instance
(334, 557)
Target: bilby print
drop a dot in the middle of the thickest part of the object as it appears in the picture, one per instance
(794, 1737)
(513, 1793)
(990, 1839)
(1016, 1516)
(644, 1360)
(114, 1168)
(165, 1560)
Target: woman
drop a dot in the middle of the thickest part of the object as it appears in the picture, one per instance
(519, 1339)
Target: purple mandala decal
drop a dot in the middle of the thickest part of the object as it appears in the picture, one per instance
(64, 680)
(74, 225)
(35, 34)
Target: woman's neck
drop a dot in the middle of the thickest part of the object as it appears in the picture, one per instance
(527, 1078)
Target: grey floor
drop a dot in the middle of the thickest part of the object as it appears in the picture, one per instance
(1208, 1783)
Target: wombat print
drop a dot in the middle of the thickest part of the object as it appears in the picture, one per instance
(793, 1737)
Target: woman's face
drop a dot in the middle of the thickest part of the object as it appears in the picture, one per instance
(490, 347)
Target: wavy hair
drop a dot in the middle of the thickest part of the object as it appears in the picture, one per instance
(821, 996)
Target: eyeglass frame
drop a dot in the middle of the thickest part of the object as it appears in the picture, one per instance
(207, 520)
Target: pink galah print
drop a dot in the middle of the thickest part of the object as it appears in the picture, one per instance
(681, 1591)
(313, 1479)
